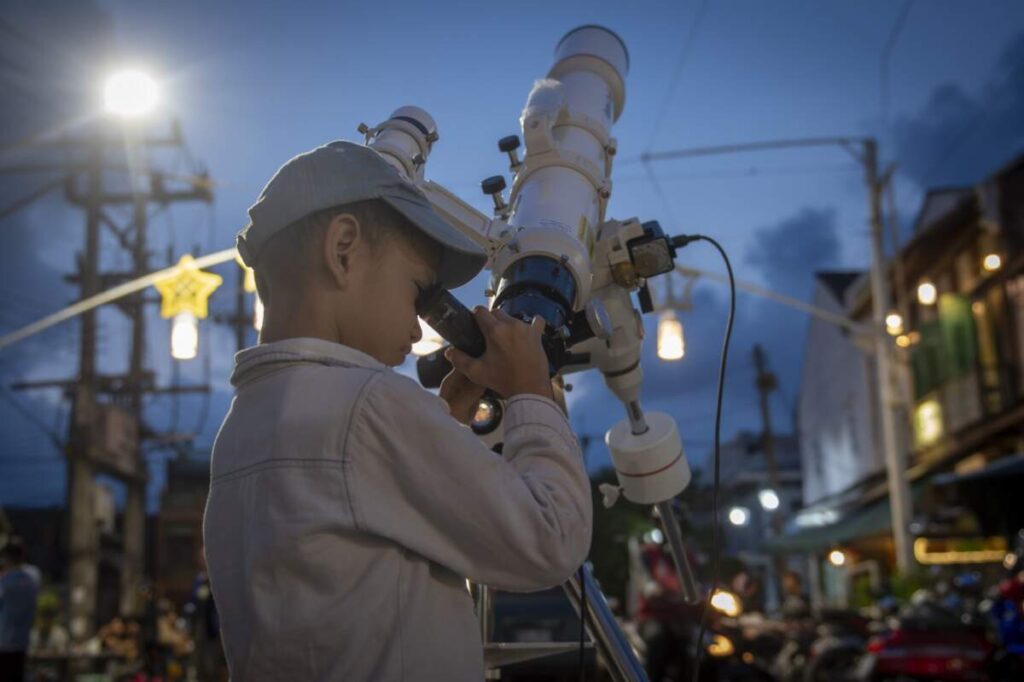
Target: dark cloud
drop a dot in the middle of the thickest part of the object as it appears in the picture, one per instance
(788, 253)
(958, 137)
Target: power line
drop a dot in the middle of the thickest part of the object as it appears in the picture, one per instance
(684, 55)
(890, 43)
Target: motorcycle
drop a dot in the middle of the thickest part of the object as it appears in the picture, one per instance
(929, 641)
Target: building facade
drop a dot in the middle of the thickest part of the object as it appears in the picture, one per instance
(957, 317)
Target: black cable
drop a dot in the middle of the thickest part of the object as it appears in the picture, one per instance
(679, 242)
(583, 621)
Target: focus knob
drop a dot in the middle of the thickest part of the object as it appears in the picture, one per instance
(509, 143)
(493, 185)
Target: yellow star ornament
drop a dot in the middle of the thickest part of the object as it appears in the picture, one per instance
(188, 290)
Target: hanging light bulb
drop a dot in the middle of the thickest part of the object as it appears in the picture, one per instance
(184, 336)
(992, 262)
(257, 313)
(429, 342)
(671, 343)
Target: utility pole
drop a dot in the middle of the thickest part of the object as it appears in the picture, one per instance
(766, 382)
(895, 461)
(134, 520)
(83, 535)
(106, 433)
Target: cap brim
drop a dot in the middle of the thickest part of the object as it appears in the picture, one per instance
(461, 258)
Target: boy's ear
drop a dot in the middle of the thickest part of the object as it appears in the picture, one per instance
(341, 240)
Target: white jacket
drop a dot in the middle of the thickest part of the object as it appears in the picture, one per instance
(347, 508)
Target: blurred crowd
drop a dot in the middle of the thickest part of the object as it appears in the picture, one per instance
(164, 642)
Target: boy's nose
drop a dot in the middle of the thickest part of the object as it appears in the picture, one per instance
(417, 331)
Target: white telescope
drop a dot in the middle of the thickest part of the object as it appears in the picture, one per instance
(553, 252)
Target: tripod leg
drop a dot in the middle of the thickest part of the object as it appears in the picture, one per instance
(603, 629)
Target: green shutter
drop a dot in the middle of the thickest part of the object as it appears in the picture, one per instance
(959, 345)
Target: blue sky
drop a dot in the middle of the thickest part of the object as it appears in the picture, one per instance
(255, 83)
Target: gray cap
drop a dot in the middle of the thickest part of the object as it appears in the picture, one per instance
(341, 172)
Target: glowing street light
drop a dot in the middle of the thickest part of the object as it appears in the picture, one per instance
(130, 94)
(894, 324)
(992, 262)
(429, 342)
(769, 499)
(837, 558)
(926, 293)
(671, 344)
(739, 516)
(184, 336)
(726, 602)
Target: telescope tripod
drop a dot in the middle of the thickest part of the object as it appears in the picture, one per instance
(606, 636)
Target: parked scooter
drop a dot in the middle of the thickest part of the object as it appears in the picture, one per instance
(930, 642)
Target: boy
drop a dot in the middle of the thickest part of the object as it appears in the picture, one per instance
(348, 505)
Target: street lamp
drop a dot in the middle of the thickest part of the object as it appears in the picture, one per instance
(671, 343)
(739, 516)
(926, 293)
(130, 94)
(769, 499)
(992, 262)
(894, 324)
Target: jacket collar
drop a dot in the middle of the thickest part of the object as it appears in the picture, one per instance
(263, 359)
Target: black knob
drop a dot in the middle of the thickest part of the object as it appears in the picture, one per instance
(509, 143)
(493, 184)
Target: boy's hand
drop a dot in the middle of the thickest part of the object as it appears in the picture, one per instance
(514, 361)
(462, 396)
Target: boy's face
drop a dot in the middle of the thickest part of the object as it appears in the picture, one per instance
(385, 301)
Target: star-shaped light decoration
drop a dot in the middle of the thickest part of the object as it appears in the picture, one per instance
(188, 290)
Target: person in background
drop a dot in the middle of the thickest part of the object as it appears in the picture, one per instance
(49, 636)
(794, 603)
(19, 588)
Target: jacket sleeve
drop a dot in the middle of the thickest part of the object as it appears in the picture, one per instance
(519, 521)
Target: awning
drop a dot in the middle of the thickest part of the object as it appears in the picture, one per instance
(854, 522)
(1002, 467)
(871, 519)
(992, 493)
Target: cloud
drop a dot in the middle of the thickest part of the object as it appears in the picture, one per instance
(788, 253)
(957, 137)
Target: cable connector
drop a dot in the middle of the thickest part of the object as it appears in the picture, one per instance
(682, 240)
